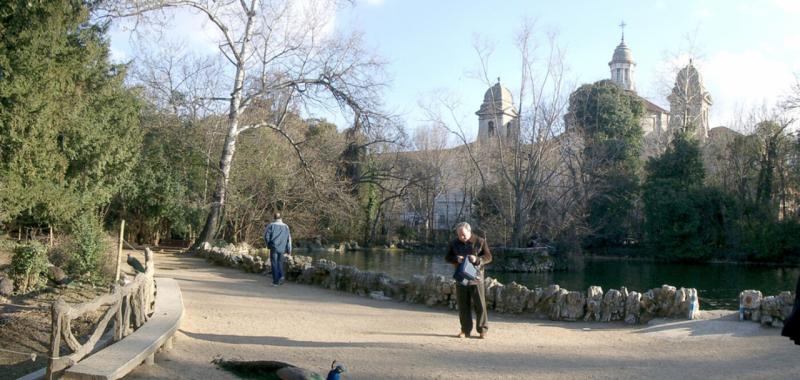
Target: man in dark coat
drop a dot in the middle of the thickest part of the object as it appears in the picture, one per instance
(791, 326)
(470, 296)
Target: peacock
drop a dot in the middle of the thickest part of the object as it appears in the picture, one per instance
(136, 264)
(275, 370)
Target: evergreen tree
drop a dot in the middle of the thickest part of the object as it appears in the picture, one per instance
(684, 219)
(607, 117)
(164, 193)
(68, 126)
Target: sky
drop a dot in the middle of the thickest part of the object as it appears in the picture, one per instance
(748, 52)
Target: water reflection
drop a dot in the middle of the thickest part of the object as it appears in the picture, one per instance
(718, 284)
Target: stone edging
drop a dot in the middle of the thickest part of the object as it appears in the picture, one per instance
(553, 302)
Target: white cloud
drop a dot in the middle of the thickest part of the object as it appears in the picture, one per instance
(320, 15)
(703, 13)
(375, 3)
(789, 6)
(183, 28)
(195, 33)
(745, 79)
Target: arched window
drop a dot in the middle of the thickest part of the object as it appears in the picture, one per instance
(491, 128)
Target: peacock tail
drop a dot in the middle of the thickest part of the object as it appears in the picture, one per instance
(266, 370)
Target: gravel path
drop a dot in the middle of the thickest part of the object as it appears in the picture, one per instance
(238, 315)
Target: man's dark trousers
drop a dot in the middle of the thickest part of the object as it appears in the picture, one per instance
(471, 298)
(276, 259)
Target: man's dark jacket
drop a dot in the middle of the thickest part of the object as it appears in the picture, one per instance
(474, 246)
(791, 326)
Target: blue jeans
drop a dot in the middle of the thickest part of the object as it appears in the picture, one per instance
(277, 266)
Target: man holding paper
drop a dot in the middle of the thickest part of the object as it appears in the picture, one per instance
(470, 294)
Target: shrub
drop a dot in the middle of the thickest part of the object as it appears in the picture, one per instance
(88, 246)
(406, 233)
(27, 266)
(60, 252)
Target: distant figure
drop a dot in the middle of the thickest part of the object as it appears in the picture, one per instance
(470, 297)
(279, 241)
(135, 263)
(791, 326)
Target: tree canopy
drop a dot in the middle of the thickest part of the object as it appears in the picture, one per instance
(68, 126)
(607, 118)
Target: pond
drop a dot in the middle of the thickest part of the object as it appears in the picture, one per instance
(718, 285)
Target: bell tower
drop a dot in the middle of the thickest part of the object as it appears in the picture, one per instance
(497, 116)
(622, 64)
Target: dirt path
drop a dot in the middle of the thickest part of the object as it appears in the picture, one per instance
(238, 315)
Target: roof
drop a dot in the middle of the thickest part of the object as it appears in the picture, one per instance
(497, 99)
(652, 106)
(622, 54)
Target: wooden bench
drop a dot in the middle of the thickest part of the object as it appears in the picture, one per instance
(120, 358)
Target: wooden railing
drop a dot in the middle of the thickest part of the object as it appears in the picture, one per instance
(130, 305)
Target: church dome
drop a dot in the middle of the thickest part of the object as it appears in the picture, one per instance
(497, 99)
(689, 83)
(622, 54)
(497, 94)
(689, 74)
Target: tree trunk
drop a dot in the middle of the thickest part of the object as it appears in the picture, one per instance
(218, 199)
(520, 220)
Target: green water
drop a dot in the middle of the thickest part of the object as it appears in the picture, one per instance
(718, 285)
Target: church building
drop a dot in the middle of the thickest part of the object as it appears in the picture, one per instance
(498, 118)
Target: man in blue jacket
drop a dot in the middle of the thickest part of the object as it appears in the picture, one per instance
(279, 241)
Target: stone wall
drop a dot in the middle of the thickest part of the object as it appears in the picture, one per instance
(769, 311)
(553, 302)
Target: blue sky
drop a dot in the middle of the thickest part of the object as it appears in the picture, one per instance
(747, 51)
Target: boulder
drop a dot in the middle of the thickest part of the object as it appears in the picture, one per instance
(378, 295)
(594, 302)
(613, 307)
(572, 306)
(633, 308)
(396, 289)
(534, 296)
(649, 306)
(6, 285)
(773, 307)
(57, 275)
(513, 299)
(750, 305)
(556, 303)
(692, 303)
(547, 302)
(787, 304)
(665, 301)
(493, 291)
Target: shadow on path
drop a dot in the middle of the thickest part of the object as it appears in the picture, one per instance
(412, 334)
(286, 342)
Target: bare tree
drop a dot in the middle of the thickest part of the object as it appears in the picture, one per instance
(791, 102)
(521, 168)
(280, 53)
(432, 163)
(758, 167)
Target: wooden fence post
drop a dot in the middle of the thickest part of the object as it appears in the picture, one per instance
(119, 250)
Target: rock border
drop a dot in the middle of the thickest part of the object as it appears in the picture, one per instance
(552, 302)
